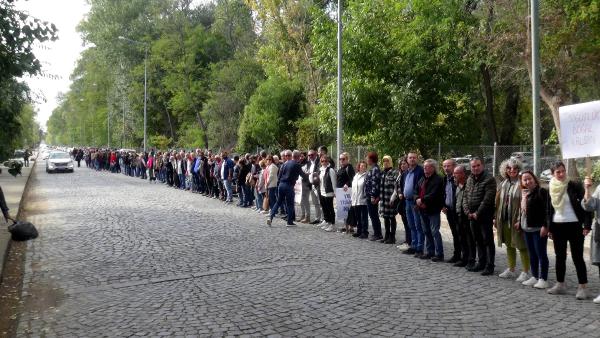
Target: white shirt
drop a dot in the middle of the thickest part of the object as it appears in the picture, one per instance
(567, 214)
(358, 189)
(333, 179)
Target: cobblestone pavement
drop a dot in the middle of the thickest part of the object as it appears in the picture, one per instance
(118, 256)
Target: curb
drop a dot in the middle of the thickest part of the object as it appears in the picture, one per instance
(4, 255)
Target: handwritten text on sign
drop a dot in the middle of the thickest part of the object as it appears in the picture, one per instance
(580, 130)
(343, 201)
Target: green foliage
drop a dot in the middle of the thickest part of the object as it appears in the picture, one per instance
(18, 33)
(271, 115)
(159, 142)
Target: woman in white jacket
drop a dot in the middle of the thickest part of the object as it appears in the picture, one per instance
(328, 179)
(359, 202)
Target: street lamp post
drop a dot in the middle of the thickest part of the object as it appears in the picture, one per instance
(535, 83)
(339, 82)
(145, 82)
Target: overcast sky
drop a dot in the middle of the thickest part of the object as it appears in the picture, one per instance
(58, 58)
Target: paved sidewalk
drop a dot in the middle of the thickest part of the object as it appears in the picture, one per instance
(13, 189)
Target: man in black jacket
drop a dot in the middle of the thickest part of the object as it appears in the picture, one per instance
(449, 208)
(430, 200)
(479, 204)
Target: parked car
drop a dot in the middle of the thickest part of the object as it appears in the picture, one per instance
(546, 175)
(464, 161)
(59, 161)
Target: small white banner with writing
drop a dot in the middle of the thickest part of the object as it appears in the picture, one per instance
(580, 130)
(298, 191)
(343, 201)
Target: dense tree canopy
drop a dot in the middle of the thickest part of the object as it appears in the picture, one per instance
(241, 74)
(18, 33)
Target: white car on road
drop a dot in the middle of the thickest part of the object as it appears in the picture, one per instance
(59, 161)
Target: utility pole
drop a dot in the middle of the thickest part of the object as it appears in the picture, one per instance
(339, 83)
(535, 83)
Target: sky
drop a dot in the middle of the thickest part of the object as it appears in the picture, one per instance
(57, 57)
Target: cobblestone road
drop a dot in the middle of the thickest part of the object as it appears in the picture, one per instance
(120, 257)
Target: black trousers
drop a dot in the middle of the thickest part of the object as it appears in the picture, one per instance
(483, 234)
(390, 228)
(573, 234)
(456, 238)
(328, 211)
(468, 248)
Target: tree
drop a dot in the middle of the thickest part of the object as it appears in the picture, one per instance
(271, 115)
(18, 33)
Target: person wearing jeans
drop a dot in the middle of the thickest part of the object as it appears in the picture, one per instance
(534, 201)
(591, 203)
(569, 223)
(408, 186)
(271, 181)
(289, 173)
(430, 200)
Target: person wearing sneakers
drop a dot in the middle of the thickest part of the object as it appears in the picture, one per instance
(591, 203)
(359, 202)
(534, 201)
(569, 223)
(387, 205)
(506, 222)
(327, 177)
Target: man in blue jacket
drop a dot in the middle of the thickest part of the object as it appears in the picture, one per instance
(288, 175)
(410, 179)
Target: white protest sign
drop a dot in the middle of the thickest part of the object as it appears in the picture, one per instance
(343, 201)
(580, 130)
(298, 191)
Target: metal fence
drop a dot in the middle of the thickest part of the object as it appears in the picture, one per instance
(491, 155)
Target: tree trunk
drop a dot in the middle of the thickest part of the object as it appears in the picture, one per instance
(511, 113)
(203, 127)
(489, 101)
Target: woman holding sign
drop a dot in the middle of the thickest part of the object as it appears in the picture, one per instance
(569, 223)
(591, 202)
(387, 206)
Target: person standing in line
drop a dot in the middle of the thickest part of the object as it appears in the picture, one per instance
(359, 202)
(313, 172)
(327, 177)
(271, 182)
(387, 204)
(227, 176)
(288, 175)
(429, 198)
(373, 194)
(306, 189)
(448, 209)
(408, 187)
(478, 204)
(345, 174)
(467, 242)
(534, 202)
(508, 213)
(401, 203)
(591, 203)
(569, 223)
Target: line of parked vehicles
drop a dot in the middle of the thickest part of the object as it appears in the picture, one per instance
(525, 157)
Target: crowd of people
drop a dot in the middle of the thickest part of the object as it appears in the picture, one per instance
(524, 214)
